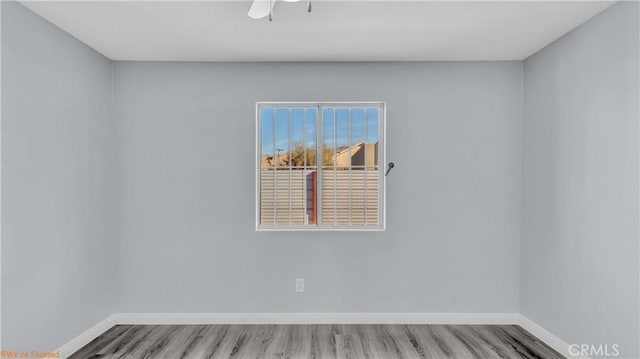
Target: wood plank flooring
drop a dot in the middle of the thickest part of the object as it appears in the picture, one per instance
(316, 341)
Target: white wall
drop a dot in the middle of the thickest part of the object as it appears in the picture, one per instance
(186, 142)
(58, 243)
(580, 212)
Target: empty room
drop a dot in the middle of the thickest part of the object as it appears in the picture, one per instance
(320, 179)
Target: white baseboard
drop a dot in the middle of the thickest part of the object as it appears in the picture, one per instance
(86, 337)
(547, 337)
(315, 318)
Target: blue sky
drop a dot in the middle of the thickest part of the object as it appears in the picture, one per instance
(330, 115)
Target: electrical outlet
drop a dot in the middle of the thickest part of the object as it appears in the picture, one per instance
(299, 285)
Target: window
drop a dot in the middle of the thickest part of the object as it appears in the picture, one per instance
(320, 166)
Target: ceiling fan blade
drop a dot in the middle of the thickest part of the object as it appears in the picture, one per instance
(260, 8)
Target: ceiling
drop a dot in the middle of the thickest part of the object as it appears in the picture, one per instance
(333, 31)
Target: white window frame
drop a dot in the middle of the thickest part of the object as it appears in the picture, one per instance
(382, 156)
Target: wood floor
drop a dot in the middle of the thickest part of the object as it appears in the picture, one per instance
(316, 341)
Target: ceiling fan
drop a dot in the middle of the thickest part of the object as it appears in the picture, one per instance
(263, 8)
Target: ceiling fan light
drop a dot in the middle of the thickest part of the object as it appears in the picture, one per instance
(264, 8)
(260, 9)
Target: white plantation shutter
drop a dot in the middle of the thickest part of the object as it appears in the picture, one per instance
(350, 197)
(284, 198)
